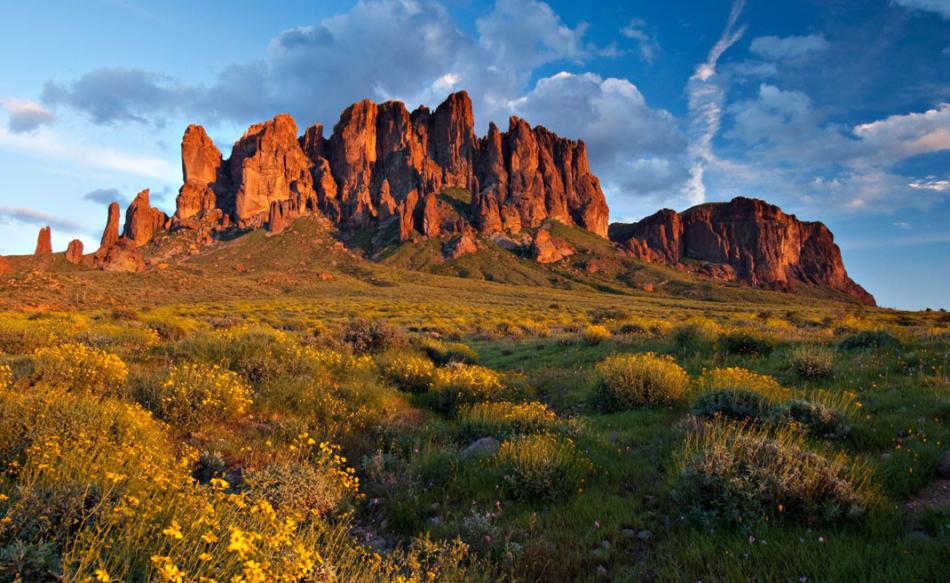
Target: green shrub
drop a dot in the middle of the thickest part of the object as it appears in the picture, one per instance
(448, 352)
(870, 340)
(746, 343)
(542, 467)
(816, 418)
(602, 315)
(732, 405)
(504, 419)
(811, 361)
(595, 334)
(258, 353)
(298, 486)
(632, 380)
(366, 335)
(80, 368)
(462, 384)
(195, 393)
(743, 474)
(694, 332)
(409, 372)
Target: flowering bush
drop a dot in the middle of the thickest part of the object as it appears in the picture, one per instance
(740, 379)
(631, 380)
(6, 377)
(449, 352)
(595, 334)
(80, 368)
(409, 372)
(738, 473)
(505, 419)
(465, 383)
(695, 331)
(194, 393)
(542, 467)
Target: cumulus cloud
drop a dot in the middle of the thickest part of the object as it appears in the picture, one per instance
(637, 150)
(25, 116)
(646, 41)
(789, 47)
(27, 216)
(941, 7)
(706, 97)
(106, 196)
(785, 147)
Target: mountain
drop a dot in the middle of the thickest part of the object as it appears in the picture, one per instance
(745, 240)
(420, 190)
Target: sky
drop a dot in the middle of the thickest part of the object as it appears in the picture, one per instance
(835, 110)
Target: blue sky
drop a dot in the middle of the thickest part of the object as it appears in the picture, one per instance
(836, 110)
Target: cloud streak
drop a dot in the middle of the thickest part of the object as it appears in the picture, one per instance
(706, 97)
(25, 116)
(28, 216)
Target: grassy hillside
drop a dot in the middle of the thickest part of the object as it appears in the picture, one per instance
(279, 408)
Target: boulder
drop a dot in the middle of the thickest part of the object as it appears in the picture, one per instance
(44, 244)
(548, 249)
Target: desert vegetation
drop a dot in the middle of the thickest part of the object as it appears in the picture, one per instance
(286, 440)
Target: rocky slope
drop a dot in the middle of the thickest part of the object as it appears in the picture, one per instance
(744, 240)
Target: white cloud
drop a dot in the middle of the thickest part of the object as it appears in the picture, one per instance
(25, 116)
(647, 44)
(706, 98)
(909, 134)
(635, 149)
(789, 47)
(930, 183)
(941, 7)
(71, 150)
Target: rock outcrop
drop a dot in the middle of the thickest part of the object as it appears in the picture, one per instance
(5, 266)
(74, 252)
(44, 243)
(201, 166)
(745, 239)
(142, 221)
(383, 163)
(548, 249)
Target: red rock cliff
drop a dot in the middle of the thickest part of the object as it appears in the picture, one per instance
(745, 239)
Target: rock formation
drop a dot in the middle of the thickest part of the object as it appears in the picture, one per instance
(44, 244)
(384, 163)
(142, 221)
(745, 239)
(74, 252)
(201, 166)
(548, 249)
(5, 266)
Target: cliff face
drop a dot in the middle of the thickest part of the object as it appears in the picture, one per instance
(384, 163)
(745, 239)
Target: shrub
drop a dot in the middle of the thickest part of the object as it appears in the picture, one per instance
(811, 361)
(746, 343)
(740, 379)
(632, 380)
(194, 393)
(595, 334)
(80, 368)
(601, 315)
(6, 377)
(695, 331)
(306, 486)
(463, 384)
(505, 419)
(409, 372)
(542, 467)
(743, 474)
(645, 327)
(448, 352)
(869, 340)
(733, 404)
(366, 335)
(816, 418)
